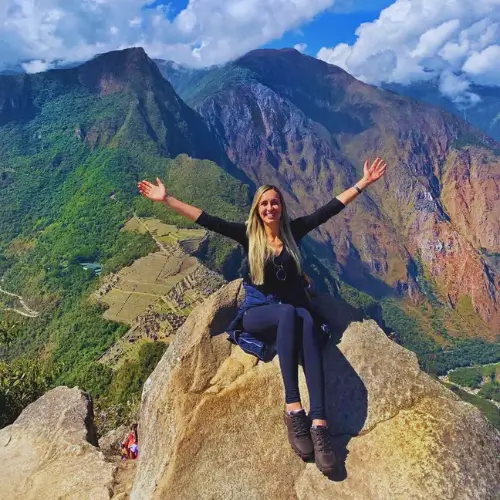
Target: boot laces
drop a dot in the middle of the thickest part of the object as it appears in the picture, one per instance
(300, 424)
(323, 439)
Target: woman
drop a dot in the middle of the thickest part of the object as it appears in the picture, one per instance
(271, 240)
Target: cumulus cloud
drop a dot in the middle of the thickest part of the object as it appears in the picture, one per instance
(456, 42)
(46, 30)
(456, 87)
(484, 65)
(205, 32)
(227, 29)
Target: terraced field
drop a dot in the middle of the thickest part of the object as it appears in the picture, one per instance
(156, 293)
(142, 284)
(165, 234)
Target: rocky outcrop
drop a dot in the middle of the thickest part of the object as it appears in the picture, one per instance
(111, 442)
(211, 422)
(50, 451)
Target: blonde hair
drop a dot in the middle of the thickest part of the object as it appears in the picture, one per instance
(258, 248)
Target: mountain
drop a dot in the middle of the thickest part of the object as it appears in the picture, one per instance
(160, 114)
(182, 78)
(484, 115)
(427, 234)
(419, 252)
(111, 105)
(115, 112)
(73, 145)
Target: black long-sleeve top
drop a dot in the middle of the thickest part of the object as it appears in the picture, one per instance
(289, 290)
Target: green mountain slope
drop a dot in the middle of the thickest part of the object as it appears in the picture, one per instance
(73, 145)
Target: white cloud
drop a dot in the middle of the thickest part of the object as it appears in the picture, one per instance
(456, 87)
(135, 22)
(228, 29)
(36, 66)
(455, 41)
(206, 32)
(434, 39)
(301, 47)
(484, 65)
(58, 29)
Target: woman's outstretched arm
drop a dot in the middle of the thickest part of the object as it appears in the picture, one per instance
(371, 174)
(160, 194)
(234, 230)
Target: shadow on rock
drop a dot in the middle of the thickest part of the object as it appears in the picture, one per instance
(225, 313)
(346, 399)
(346, 396)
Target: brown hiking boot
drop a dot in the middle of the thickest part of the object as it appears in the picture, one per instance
(299, 434)
(323, 452)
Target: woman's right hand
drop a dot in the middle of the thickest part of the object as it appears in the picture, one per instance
(152, 191)
(159, 193)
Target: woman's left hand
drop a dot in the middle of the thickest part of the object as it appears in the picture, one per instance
(373, 172)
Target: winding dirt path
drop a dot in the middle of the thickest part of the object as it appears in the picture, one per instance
(28, 312)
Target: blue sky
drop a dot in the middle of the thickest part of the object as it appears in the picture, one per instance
(456, 42)
(328, 28)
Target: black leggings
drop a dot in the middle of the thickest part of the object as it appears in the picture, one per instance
(293, 330)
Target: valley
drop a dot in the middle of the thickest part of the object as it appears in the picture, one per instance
(479, 380)
(110, 276)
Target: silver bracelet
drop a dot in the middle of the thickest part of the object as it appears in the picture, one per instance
(357, 189)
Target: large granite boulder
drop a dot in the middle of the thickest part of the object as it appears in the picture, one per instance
(50, 452)
(211, 424)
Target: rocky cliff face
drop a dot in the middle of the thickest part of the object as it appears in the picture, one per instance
(308, 126)
(211, 422)
(50, 451)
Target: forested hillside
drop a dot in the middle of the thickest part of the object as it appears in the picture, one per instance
(73, 144)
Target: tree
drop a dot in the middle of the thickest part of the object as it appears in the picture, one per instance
(21, 382)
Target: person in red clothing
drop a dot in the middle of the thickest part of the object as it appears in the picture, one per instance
(276, 281)
(130, 446)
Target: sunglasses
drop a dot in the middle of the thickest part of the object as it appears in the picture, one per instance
(279, 269)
